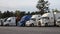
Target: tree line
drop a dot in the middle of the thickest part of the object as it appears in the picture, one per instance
(8, 13)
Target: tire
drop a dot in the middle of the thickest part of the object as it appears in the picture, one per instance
(46, 24)
(32, 25)
(7, 25)
(57, 25)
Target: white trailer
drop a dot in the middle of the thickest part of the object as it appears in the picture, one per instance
(33, 21)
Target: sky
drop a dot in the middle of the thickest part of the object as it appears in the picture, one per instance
(25, 5)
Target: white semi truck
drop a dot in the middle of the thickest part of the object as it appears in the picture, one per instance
(34, 20)
(57, 19)
(49, 19)
(10, 21)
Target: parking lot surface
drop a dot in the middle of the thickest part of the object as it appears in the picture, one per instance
(29, 30)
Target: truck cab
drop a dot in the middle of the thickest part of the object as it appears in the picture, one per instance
(23, 20)
(58, 19)
(58, 22)
(10, 21)
(33, 21)
(46, 19)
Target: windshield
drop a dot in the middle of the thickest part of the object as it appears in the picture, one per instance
(33, 19)
(9, 20)
(45, 17)
(5, 19)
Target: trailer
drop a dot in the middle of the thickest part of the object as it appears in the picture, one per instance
(23, 20)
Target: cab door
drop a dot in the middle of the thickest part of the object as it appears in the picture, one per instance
(13, 21)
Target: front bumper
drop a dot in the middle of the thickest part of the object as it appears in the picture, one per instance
(27, 24)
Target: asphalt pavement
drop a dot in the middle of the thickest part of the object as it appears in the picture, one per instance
(29, 30)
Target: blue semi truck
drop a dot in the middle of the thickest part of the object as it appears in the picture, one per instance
(23, 20)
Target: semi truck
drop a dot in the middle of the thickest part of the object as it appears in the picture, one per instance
(34, 20)
(50, 19)
(58, 19)
(10, 21)
(23, 20)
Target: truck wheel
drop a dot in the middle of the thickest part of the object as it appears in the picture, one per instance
(7, 25)
(39, 23)
(57, 25)
(32, 25)
(46, 24)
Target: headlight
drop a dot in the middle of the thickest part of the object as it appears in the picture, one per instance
(27, 22)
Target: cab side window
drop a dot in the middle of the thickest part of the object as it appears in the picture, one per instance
(38, 19)
(9, 20)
